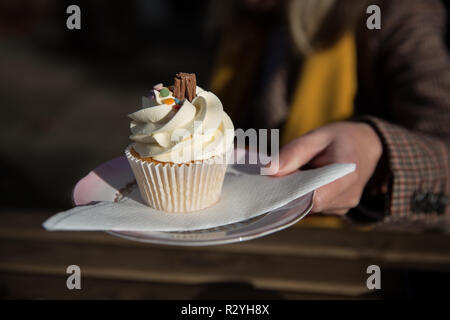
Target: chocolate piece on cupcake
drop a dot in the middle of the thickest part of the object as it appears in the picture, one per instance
(184, 86)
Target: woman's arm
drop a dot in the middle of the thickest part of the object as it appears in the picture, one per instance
(412, 142)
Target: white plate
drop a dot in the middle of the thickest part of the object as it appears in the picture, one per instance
(114, 179)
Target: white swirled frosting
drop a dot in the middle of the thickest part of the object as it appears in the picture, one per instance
(196, 131)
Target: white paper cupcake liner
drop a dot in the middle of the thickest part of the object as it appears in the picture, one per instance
(178, 187)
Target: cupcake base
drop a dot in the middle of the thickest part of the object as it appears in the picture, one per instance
(174, 187)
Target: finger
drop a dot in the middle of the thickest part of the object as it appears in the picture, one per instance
(301, 150)
(330, 195)
(348, 199)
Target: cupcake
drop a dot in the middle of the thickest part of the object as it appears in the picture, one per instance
(182, 140)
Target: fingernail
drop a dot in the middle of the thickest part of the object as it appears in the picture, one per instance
(272, 168)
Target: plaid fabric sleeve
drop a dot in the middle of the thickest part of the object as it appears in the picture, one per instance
(418, 183)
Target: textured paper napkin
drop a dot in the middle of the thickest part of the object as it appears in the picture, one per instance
(245, 195)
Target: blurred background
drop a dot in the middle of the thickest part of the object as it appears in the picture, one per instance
(66, 93)
(64, 97)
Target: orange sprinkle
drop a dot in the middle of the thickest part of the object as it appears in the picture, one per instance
(168, 101)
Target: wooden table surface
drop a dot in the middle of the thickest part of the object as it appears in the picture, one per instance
(299, 262)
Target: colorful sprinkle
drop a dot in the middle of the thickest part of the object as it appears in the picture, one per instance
(158, 86)
(168, 101)
(164, 92)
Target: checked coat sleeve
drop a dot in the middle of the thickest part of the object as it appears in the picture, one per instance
(413, 61)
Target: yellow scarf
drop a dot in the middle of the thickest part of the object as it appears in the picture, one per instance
(325, 89)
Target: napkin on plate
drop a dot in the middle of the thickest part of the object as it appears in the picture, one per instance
(245, 195)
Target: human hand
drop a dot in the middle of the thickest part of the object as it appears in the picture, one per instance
(340, 142)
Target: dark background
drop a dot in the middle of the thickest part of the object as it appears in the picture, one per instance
(65, 94)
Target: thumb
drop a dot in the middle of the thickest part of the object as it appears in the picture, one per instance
(301, 150)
